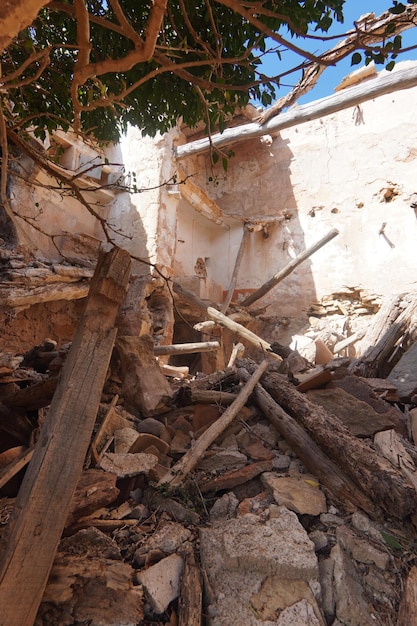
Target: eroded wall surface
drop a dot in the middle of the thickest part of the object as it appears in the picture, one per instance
(354, 171)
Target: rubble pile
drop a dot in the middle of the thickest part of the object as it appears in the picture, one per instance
(277, 490)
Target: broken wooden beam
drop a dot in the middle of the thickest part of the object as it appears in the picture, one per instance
(218, 317)
(401, 79)
(314, 459)
(290, 267)
(186, 348)
(176, 475)
(44, 499)
(239, 257)
(386, 485)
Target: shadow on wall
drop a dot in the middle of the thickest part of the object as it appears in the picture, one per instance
(257, 188)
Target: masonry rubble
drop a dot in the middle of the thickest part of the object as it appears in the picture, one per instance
(196, 504)
(287, 510)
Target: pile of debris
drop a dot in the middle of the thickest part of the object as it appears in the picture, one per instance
(272, 492)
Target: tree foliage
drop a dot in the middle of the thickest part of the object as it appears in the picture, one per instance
(98, 65)
(101, 64)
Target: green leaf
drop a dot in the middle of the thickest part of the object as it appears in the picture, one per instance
(390, 66)
(391, 541)
(225, 163)
(397, 8)
(356, 58)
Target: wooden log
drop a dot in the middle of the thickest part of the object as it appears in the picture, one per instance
(239, 257)
(186, 348)
(290, 267)
(225, 321)
(237, 353)
(34, 397)
(191, 591)
(175, 476)
(15, 424)
(15, 466)
(385, 484)
(368, 30)
(389, 444)
(44, 500)
(244, 332)
(391, 323)
(401, 79)
(23, 297)
(331, 476)
(345, 343)
(205, 396)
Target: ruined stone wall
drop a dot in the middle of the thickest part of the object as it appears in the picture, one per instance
(354, 171)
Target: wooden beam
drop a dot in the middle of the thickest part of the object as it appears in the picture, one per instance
(44, 500)
(215, 315)
(186, 348)
(290, 267)
(350, 97)
(229, 296)
(176, 475)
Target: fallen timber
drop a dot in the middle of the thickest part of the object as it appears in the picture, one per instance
(386, 486)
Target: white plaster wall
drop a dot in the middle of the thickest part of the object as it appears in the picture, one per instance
(51, 213)
(148, 218)
(329, 173)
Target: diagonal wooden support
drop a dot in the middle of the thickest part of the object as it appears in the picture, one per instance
(44, 500)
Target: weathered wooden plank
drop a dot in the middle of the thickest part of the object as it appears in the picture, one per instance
(44, 500)
(401, 79)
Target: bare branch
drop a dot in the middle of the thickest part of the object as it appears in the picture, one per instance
(367, 33)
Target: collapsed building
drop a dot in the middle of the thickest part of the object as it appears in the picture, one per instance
(301, 236)
(185, 217)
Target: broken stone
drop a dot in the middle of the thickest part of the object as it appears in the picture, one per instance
(361, 522)
(236, 569)
(124, 439)
(176, 510)
(404, 374)
(150, 425)
(360, 549)
(167, 538)
(258, 452)
(224, 507)
(281, 462)
(390, 416)
(91, 590)
(299, 614)
(231, 480)
(258, 505)
(319, 539)
(223, 460)
(161, 583)
(278, 594)
(301, 493)
(144, 441)
(180, 442)
(328, 601)
(283, 546)
(126, 464)
(351, 606)
(90, 542)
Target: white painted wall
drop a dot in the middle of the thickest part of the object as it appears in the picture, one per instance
(329, 173)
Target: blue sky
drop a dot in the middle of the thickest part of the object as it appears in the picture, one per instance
(332, 76)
